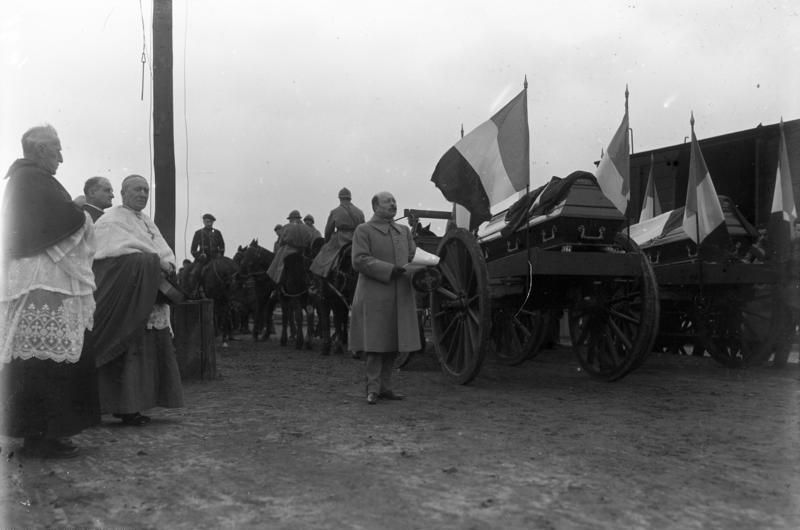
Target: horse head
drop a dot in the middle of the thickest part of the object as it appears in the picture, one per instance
(256, 258)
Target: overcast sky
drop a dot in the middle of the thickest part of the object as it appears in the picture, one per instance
(286, 102)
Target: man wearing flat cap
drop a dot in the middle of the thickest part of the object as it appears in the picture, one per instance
(207, 244)
(295, 237)
(342, 221)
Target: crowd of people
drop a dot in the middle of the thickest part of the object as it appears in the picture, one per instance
(84, 329)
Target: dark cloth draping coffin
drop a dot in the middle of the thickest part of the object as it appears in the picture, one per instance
(566, 212)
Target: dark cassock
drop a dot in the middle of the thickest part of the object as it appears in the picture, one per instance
(132, 337)
(49, 389)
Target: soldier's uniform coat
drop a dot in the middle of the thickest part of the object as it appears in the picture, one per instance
(295, 237)
(342, 221)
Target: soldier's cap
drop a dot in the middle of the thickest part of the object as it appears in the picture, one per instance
(209, 216)
(344, 193)
(294, 214)
(308, 217)
(278, 227)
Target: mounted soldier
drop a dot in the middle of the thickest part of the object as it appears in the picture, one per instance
(309, 222)
(342, 221)
(295, 238)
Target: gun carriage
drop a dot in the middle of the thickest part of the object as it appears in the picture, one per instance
(720, 300)
(560, 248)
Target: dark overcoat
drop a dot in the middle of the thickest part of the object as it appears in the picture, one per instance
(384, 312)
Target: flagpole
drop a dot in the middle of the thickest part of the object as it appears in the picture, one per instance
(627, 217)
(697, 210)
(527, 214)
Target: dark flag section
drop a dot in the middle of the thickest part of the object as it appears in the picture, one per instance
(460, 184)
(489, 164)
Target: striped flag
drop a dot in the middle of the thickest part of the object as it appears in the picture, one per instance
(651, 206)
(784, 212)
(490, 164)
(613, 172)
(703, 217)
(648, 230)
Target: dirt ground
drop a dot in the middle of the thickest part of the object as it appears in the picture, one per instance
(285, 439)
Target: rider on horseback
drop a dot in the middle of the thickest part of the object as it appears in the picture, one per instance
(207, 244)
(295, 238)
(342, 221)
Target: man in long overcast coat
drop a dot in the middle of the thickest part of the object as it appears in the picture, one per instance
(384, 312)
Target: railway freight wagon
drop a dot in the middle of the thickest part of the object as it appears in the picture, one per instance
(742, 165)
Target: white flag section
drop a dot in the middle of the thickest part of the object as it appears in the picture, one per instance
(462, 216)
(481, 150)
(781, 229)
(651, 206)
(613, 172)
(783, 196)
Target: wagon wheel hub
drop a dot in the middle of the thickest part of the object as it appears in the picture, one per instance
(459, 303)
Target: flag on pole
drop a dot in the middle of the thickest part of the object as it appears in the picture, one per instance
(651, 206)
(489, 164)
(703, 218)
(613, 172)
(784, 212)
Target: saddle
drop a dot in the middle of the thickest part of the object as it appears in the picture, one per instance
(342, 267)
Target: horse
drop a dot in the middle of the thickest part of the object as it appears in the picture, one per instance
(297, 295)
(336, 295)
(258, 287)
(242, 299)
(215, 280)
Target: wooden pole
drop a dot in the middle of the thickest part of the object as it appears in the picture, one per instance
(163, 128)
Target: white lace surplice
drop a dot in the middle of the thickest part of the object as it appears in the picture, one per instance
(122, 231)
(47, 300)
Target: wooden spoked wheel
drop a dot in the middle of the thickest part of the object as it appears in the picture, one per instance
(460, 307)
(613, 322)
(739, 327)
(677, 332)
(518, 334)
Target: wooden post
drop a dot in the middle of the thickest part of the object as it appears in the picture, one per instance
(163, 128)
(195, 349)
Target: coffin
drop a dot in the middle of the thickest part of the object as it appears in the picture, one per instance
(664, 240)
(566, 214)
